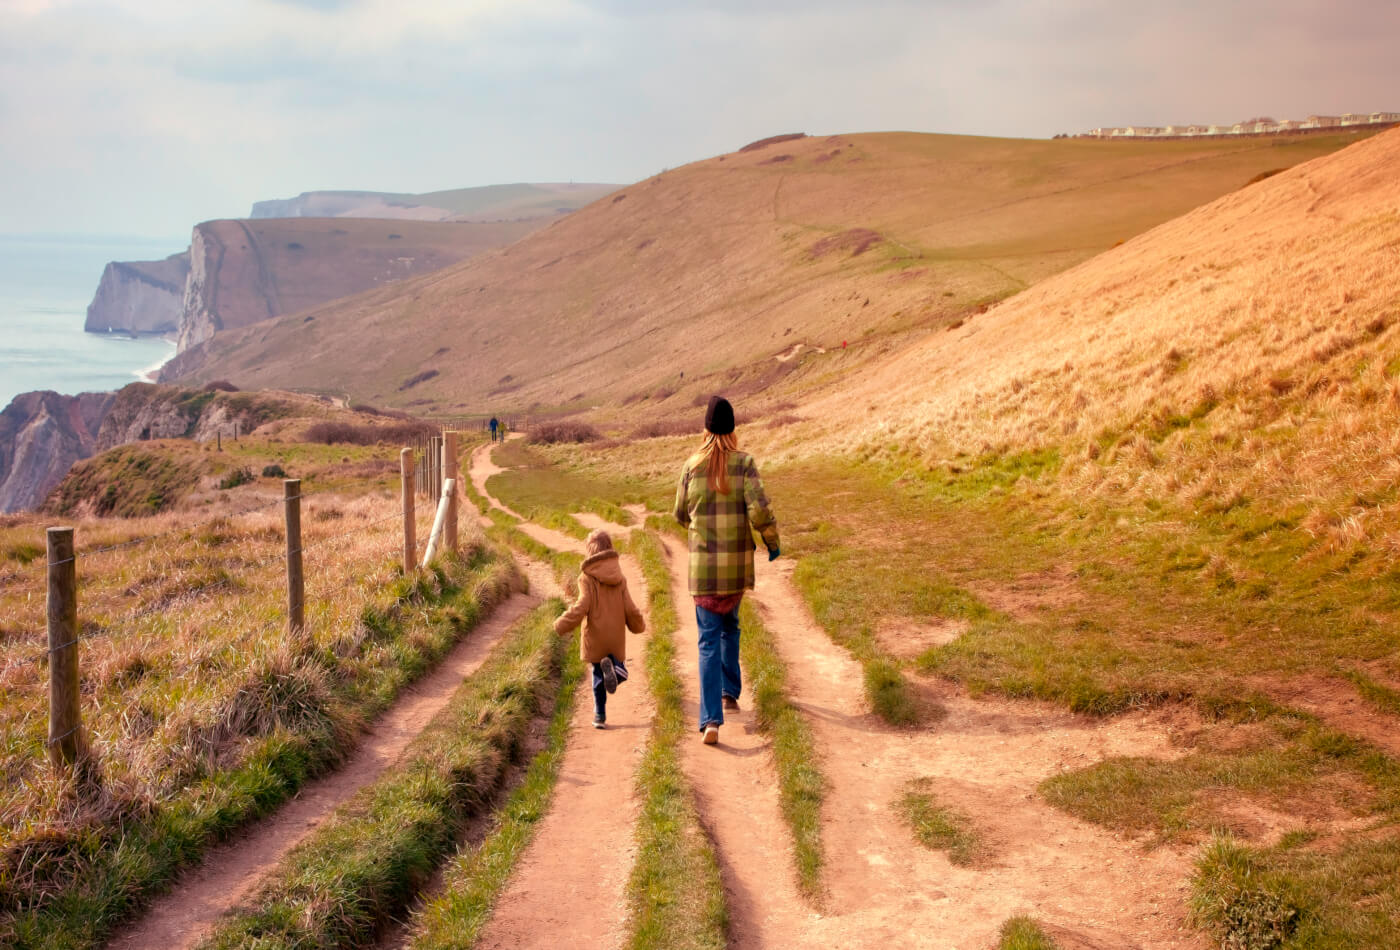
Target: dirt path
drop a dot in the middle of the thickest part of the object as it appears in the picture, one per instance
(482, 467)
(986, 757)
(736, 791)
(570, 887)
(229, 872)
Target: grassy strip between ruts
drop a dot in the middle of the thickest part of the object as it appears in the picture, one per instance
(940, 827)
(310, 701)
(1023, 933)
(565, 564)
(454, 919)
(366, 862)
(801, 786)
(675, 891)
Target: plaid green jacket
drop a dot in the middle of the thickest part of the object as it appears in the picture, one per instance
(722, 526)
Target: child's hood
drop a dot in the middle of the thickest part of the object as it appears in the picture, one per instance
(604, 567)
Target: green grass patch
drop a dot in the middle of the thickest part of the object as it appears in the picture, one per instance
(565, 564)
(453, 920)
(940, 827)
(675, 891)
(538, 479)
(849, 618)
(1023, 933)
(1382, 697)
(1284, 760)
(366, 862)
(560, 521)
(300, 709)
(543, 479)
(801, 786)
(1293, 897)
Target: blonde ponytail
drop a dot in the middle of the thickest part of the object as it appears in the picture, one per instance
(716, 451)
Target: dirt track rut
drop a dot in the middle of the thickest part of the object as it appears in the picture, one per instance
(985, 757)
(570, 887)
(231, 871)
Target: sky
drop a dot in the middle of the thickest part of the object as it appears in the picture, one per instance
(147, 116)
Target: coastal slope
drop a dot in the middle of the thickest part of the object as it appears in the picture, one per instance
(818, 241)
(41, 435)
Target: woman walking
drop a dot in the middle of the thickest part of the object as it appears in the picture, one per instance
(720, 499)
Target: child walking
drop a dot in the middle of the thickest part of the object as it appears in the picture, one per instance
(606, 611)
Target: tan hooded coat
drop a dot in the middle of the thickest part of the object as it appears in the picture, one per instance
(604, 607)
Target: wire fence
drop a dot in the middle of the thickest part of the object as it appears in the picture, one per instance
(234, 572)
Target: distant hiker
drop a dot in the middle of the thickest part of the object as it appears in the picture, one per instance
(495, 424)
(721, 500)
(606, 610)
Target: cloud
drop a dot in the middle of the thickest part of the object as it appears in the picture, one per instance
(190, 111)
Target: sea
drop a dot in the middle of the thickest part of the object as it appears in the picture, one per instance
(46, 284)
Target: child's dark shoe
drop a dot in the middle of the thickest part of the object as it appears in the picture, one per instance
(609, 674)
(599, 722)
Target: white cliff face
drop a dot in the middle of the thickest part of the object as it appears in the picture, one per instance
(139, 296)
(199, 320)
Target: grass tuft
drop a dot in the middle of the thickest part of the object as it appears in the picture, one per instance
(940, 827)
(1023, 933)
(1230, 899)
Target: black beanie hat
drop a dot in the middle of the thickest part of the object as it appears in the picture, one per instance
(719, 416)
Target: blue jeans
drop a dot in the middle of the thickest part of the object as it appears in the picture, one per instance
(719, 662)
(600, 690)
(600, 693)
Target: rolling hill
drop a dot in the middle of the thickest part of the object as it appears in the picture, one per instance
(793, 240)
(1249, 346)
(487, 203)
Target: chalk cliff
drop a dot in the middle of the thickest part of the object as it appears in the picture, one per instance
(139, 296)
(242, 272)
(41, 435)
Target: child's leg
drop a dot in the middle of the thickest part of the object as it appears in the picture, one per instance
(600, 693)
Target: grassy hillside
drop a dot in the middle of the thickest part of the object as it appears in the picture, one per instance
(812, 240)
(1162, 479)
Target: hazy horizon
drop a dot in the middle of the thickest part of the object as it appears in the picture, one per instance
(119, 117)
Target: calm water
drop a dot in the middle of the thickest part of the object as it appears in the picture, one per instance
(46, 283)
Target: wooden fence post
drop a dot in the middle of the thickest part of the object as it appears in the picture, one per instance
(448, 490)
(65, 723)
(449, 466)
(435, 475)
(296, 579)
(410, 524)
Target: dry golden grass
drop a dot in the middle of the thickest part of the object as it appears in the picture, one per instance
(184, 636)
(1249, 348)
(851, 236)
